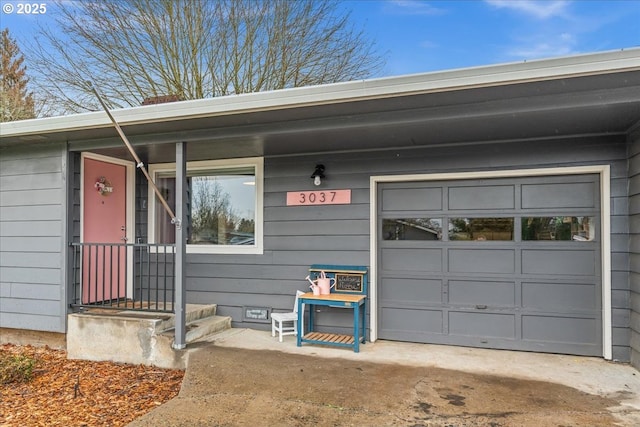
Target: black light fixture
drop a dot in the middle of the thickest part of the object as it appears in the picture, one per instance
(318, 174)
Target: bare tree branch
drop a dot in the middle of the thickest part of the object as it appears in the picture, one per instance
(136, 49)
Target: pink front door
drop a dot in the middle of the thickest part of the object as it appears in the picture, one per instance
(104, 266)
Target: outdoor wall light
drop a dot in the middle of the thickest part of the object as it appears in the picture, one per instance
(318, 174)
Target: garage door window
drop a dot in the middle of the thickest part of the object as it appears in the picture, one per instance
(412, 229)
(564, 228)
(481, 229)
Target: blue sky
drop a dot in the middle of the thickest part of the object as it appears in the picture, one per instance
(418, 36)
(435, 35)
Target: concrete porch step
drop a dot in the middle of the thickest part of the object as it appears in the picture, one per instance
(194, 313)
(202, 327)
(138, 337)
(207, 326)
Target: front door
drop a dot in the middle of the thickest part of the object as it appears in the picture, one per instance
(104, 265)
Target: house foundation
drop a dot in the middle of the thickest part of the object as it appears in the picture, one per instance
(136, 337)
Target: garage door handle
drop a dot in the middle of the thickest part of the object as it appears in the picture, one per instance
(481, 307)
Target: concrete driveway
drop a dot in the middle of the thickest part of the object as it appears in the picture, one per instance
(244, 377)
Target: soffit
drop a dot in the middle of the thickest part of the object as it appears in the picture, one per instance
(593, 105)
(601, 104)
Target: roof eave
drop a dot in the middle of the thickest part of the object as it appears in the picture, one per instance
(438, 81)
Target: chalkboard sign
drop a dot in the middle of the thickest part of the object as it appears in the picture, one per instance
(349, 282)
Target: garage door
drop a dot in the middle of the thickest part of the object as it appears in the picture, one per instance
(496, 263)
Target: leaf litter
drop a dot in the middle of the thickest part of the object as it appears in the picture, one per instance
(66, 392)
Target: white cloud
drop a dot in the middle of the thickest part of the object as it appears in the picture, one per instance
(414, 7)
(566, 37)
(544, 47)
(538, 9)
(533, 40)
(540, 50)
(427, 44)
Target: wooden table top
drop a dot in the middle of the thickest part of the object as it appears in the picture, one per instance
(335, 297)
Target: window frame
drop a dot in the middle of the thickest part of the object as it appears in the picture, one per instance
(214, 165)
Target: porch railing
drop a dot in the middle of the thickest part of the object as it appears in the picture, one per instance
(124, 276)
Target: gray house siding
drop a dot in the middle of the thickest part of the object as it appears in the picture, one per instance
(33, 245)
(619, 261)
(34, 210)
(634, 246)
(296, 237)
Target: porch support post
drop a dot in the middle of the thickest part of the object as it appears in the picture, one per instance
(180, 305)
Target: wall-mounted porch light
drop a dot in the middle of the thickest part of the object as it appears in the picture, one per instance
(318, 175)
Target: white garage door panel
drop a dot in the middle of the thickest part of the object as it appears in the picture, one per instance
(514, 292)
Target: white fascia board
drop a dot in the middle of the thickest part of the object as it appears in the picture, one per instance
(386, 87)
(55, 124)
(517, 72)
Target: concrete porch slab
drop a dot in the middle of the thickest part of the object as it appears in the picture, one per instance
(136, 337)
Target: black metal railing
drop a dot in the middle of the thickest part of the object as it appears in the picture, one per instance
(131, 276)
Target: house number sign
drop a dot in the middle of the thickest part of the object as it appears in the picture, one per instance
(322, 197)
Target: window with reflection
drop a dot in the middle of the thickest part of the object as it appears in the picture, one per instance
(224, 206)
(412, 229)
(481, 229)
(576, 228)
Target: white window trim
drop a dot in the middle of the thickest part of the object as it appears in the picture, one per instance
(255, 162)
(605, 231)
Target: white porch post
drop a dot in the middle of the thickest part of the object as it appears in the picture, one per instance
(180, 304)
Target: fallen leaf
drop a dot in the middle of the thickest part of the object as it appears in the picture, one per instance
(83, 393)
